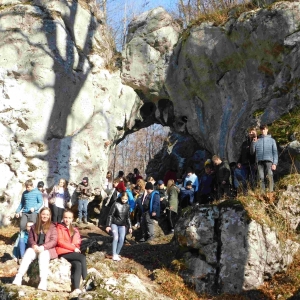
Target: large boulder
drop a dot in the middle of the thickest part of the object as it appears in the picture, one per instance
(61, 110)
(226, 251)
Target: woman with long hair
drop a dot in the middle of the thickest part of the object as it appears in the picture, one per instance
(42, 241)
(117, 220)
(59, 197)
(68, 247)
(172, 210)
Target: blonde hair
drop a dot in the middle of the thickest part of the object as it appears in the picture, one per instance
(141, 184)
(170, 183)
(65, 183)
(71, 228)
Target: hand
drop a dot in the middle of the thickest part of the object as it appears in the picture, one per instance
(171, 207)
(17, 216)
(130, 230)
(32, 209)
(161, 199)
(223, 182)
(273, 167)
(108, 229)
(77, 250)
(41, 249)
(154, 214)
(255, 139)
(36, 248)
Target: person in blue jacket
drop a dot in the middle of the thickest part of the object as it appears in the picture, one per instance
(21, 243)
(266, 153)
(31, 202)
(151, 211)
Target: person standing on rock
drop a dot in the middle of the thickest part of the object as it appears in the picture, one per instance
(266, 153)
(172, 209)
(68, 247)
(223, 176)
(117, 221)
(58, 198)
(84, 191)
(31, 202)
(151, 211)
(42, 241)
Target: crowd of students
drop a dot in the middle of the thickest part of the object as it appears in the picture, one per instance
(46, 229)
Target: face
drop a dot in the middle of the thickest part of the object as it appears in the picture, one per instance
(264, 131)
(84, 182)
(61, 183)
(161, 186)
(115, 184)
(216, 162)
(252, 133)
(45, 216)
(40, 189)
(68, 218)
(29, 188)
(28, 226)
(149, 191)
(124, 199)
(189, 173)
(207, 170)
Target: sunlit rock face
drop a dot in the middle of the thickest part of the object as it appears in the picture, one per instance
(227, 252)
(221, 79)
(60, 108)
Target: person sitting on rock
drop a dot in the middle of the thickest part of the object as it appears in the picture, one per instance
(186, 195)
(42, 242)
(58, 198)
(118, 219)
(21, 243)
(68, 247)
(151, 211)
(84, 191)
(31, 202)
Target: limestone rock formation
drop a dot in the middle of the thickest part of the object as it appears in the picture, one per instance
(60, 108)
(222, 79)
(228, 252)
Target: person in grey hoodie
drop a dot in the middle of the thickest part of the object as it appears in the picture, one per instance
(266, 153)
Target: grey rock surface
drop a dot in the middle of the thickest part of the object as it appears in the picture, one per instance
(234, 252)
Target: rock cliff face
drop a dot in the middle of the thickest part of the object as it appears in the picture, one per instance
(219, 80)
(62, 110)
(229, 252)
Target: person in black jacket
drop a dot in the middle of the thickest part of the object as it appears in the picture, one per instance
(223, 177)
(118, 218)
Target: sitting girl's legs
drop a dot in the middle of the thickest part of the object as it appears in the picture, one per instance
(29, 256)
(78, 262)
(44, 259)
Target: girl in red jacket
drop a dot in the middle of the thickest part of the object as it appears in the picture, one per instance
(68, 247)
(42, 241)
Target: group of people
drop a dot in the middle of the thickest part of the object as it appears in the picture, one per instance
(46, 230)
(46, 221)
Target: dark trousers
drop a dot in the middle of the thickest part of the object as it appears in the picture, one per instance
(147, 226)
(223, 190)
(78, 262)
(172, 215)
(57, 213)
(27, 217)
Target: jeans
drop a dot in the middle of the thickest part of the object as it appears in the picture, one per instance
(78, 262)
(265, 173)
(118, 233)
(82, 208)
(147, 226)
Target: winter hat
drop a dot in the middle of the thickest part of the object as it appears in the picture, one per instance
(40, 184)
(208, 162)
(188, 183)
(121, 186)
(149, 186)
(159, 182)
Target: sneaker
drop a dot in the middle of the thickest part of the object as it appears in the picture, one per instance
(17, 280)
(79, 221)
(142, 240)
(116, 257)
(85, 221)
(43, 285)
